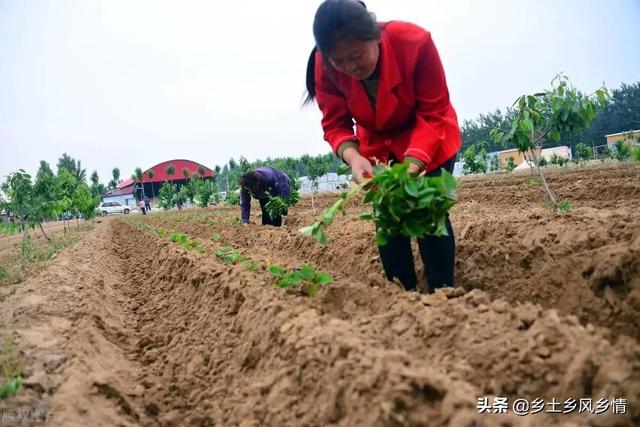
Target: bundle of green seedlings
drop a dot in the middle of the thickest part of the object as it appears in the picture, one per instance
(277, 205)
(402, 204)
(305, 276)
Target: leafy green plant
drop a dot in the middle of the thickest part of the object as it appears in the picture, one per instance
(403, 204)
(583, 152)
(228, 255)
(636, 154)
(548, 114)
(3, 272)
(564, 206)
(11, 388)
(251, 265)
(511, 164)
(216, 237)
(233, 198)
(474, 160)
(9, 369)
(305, 275)
(622, 151)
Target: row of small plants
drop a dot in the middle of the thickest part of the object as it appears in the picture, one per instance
(305, 277)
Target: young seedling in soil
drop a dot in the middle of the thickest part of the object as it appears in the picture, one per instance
(216, 237)
(402, 204)
(10, 381)
(305, 275)
(546, 115)
(228, 255)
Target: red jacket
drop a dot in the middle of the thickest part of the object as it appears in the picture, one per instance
(413, 116)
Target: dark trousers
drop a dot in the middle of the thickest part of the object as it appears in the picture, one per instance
(266, 219)
(437, 253)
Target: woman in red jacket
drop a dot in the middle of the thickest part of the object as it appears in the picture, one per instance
(387, 79)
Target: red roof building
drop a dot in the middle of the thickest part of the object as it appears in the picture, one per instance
(151, 186)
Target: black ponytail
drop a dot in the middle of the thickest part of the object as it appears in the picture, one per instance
(311, 77)
(338, 20)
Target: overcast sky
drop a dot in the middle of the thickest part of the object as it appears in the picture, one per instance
(132, 83)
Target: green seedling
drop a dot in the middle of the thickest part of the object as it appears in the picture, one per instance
(564, 206)
(305, 276)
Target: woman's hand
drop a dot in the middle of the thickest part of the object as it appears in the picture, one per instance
(414, 169)
(360, 165)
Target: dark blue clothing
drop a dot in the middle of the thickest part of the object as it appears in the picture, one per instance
(274, 182)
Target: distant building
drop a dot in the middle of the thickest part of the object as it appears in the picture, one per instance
(329, 182)
(128, 191)
(632, 137)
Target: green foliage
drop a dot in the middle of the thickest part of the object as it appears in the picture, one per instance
(402, 204)
(185, 172)
(3, 272)
(316, 168)
(549, 113)
(170, 170)
(228, 255)
(201, 190)
(564, 206)
(168, 195)
(636, 154)
(9, 229)
(542, 162)
(474, 160)
(305, 276)
(10, 381)
(233, 198)
(622, 151)
(67, 163)
(494, 164)
(511, 164)
(533, 182)
(84, 202)
(583, 152)
(216, 237)
(276, 206)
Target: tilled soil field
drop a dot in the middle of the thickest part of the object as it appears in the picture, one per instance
(132, 328)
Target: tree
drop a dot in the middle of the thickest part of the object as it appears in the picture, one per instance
(115, 180)
(316, 168)
(547, 114)
(151, 174)
(66, 162)
(494, 165)
(202, 190)
(170, 170)
(583, 152)
(83, 202)
(511, 164)
(201, 170)
(167, 195)
(137, 179)
(245, 166)
(621, 151)
(186, 173)
(97, 190)
(44, 169)
(474, 161)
